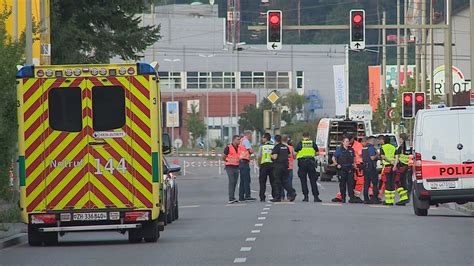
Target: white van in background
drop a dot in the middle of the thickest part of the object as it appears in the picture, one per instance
(444, 157)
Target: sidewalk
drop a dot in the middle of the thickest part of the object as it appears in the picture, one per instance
(467, 208)
(11, 233)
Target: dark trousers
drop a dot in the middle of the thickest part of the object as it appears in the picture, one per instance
(266, 170)
(403, 173)
(280, 172)
(346, 181)
(244, 189)
(371, 176)
(307, 169)
(390, 178)
(290, 180)
(233, 174)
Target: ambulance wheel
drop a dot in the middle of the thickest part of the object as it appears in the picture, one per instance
(34, 236)
(151, 232)
(134, 236)
(50, 239)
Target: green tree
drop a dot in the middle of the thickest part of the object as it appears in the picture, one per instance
(295, 103)
(195, 125)
(295, 131)
(89, 31)
(11, 55)
(252, 117)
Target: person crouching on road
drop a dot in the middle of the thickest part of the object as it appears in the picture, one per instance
(231, 158)
(306, 151)
(280, 155)
(369, 165)
(245, 149)
(344, 160)
(264, 159)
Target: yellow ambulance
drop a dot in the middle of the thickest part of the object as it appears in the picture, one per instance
(91, 150)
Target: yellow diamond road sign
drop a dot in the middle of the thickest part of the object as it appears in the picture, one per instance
(273, 97)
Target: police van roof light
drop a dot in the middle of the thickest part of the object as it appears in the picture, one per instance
(145, 69)
(26, 72)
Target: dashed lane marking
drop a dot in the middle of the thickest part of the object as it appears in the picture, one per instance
(268, 205)
(190, 206)
(331, 204)
(262, 218)
(380, 206)
(266, 209)
(250, 239)
(285, 203)
(255, 231)
(264, 213)
(240, 260)
(258, 225)
(236, 205)
(245, 249)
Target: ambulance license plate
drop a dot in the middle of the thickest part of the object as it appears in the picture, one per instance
(443, 185)
(89, 216)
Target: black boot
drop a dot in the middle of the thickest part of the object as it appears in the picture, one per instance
(317, 199)
(305, 199)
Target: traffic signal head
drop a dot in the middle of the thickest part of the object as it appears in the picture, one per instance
(357, 25)
(274, 28)
(407, 105)
(419, 101)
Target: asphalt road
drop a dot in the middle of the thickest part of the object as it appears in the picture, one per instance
(210, 232)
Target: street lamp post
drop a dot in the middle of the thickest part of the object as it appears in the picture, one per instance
(207, 97)
(172, 90)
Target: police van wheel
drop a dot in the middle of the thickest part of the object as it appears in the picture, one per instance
(416, 207)
(151, 232)
(34, 236)
(134, 236)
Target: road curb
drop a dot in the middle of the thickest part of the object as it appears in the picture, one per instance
(13, 240)
(460, 208)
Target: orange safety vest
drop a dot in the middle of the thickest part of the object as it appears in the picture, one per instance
(244, 154)
(291, 157)
(358, 147)
(232, 158)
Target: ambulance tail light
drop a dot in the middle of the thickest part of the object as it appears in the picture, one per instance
(43, 218)
(418, 171)
(137, 216)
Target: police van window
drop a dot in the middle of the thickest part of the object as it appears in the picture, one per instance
(108, 107)
(65, 110)
(440, 138)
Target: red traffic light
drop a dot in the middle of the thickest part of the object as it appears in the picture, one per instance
(357, 18)
(407, 98)
(274, 18)
(419, 98)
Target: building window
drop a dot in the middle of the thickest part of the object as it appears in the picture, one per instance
(299, 80)
(170, 80)
(264, 80)
(214, 80)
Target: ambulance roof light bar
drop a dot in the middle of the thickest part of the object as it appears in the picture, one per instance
(27, 71)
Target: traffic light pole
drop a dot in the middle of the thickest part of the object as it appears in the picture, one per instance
(448, 56)
(472, 42)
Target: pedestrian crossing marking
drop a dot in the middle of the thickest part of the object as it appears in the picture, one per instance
(245, 249)
(250, 239)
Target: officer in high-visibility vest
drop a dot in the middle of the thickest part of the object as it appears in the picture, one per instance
(231, 159)
(306, 151)
(401, 167)
(387, 153)
(264, 159)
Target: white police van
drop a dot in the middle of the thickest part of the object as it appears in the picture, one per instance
(444, 157)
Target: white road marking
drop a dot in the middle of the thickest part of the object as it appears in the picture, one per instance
(190, 206)
(268, 205)
(266, 209)
(245, 249)
(332, 204)
(262, 218)
(255, 231)
(240, 260)
(380, 206)
(254, 191)
(284, 203)
(258, 225)
(264, 213)
(250, 239)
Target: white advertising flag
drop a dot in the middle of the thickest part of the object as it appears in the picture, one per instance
(340, 90)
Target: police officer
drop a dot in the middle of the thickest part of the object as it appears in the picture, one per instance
(387, 153)
(305, 153)
(369, 166)
(280, 155)
(401, 168)
(344, 159)
(264, 159)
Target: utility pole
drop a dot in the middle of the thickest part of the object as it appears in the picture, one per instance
(15, 20)
(431, 53)
(45, 54)
(384, 58)
(29, 33)
(398, 46)
(472, 43)
(405, 49)
(448, 56)
(423, 47)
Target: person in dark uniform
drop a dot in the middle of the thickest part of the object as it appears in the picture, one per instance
(401, 168)
(369, 166)
(306, 151)
(344, 159)
(280, 155)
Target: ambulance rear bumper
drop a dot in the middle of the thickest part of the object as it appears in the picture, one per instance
(89, 228)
